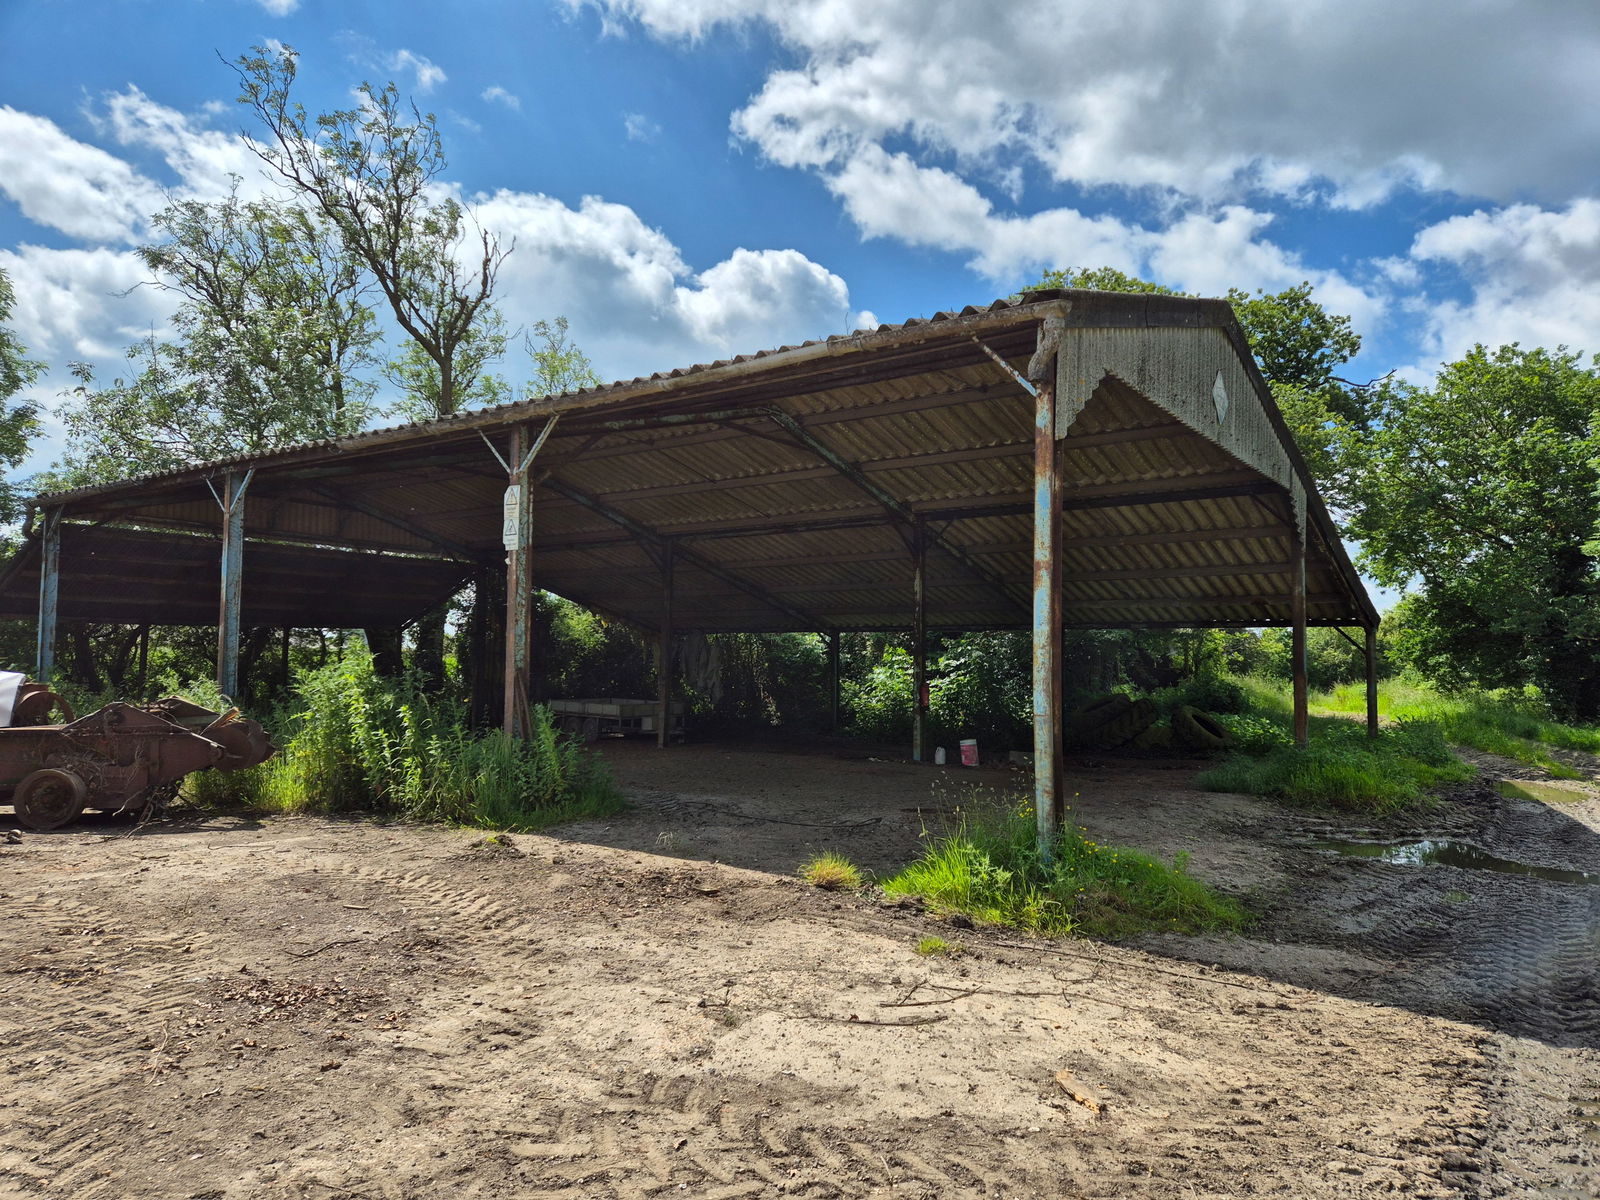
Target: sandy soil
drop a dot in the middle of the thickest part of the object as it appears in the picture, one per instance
(235, 1008)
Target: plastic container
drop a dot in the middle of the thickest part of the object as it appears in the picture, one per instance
(969, 752)
(938, 756)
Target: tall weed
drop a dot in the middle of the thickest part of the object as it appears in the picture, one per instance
(358, 741)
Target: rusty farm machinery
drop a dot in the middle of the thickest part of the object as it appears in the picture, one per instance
(119, 758)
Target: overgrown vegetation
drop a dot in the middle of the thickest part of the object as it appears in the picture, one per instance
(1514, 725)
(1345, 769)
(355, 740)
(988, 867)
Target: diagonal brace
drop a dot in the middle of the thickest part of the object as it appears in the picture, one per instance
(657, 542)
(896, 508)
(343, 500)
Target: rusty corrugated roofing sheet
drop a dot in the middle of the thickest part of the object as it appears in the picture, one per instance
(1161, 524)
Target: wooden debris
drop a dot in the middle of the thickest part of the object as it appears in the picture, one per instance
(1079, 1091)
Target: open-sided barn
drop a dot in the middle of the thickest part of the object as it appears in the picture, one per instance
(1066, 458)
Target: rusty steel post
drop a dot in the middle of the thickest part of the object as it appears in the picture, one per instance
(919, 643)
(664, 653)
(517, 513)
(232, 593)
(1047, 797)
(49, 594)
(1372, 681)
(833, 681)
(1297, 617)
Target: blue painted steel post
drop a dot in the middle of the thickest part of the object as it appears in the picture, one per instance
(1047, 798)
(919, 643)
(232, 601)
(49, 592)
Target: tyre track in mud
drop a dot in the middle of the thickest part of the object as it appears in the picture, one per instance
(648, 1134)
(1514, 954)
(54, 1059)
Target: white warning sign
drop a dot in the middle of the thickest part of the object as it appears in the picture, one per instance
(511, 518)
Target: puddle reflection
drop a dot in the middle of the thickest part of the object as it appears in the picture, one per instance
(1429, 852)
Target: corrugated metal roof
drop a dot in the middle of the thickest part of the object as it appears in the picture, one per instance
(1161, 524)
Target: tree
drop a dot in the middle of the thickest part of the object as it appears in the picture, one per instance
(1483, 489)
(372, 172)
(267, 343)
(558, 365)
(18, 422)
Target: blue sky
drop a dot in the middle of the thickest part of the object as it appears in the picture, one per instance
(688, 179)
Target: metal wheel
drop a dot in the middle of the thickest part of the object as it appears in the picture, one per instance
(591, 729)
(36, 704)
(49, 798)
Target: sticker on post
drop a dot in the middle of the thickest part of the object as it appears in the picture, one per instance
(511, 518)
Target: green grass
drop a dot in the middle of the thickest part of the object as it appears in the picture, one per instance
(937, 947)
(832, 872)
(1344, 769)
(1507, 725)
(988, 867)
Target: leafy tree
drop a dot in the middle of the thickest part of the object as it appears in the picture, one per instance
(18, 422)
(1483, 488)
(372, 172)
(558, 365)
(268, 340)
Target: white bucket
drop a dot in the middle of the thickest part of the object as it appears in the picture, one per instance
(969, 752)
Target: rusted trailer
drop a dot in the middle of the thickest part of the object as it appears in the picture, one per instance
(121, 758)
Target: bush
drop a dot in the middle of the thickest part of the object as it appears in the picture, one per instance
(1214, 694)
(356, 740)
(1255, 735)
(989, 868)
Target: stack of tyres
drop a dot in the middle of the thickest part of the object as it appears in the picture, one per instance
(1109, 722)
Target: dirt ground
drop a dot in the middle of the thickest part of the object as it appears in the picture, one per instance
(654, 1007)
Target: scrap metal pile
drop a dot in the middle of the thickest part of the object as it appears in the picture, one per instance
(120, 758)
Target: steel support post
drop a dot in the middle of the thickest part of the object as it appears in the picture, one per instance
(49, 594)
(1047, 798)
(1297, 617)
(664, 653)
(833, 681)
(231, 602)
(517, 516)
(919, 643)
(1372, 681)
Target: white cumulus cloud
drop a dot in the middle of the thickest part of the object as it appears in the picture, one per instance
(1215, 98)
(279, 8)
(635, 305)
(68, 185)
(1534, 275)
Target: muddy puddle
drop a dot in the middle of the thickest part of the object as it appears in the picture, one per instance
(1429, 852)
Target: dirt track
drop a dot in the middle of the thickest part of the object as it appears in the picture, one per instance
(308, 1008)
